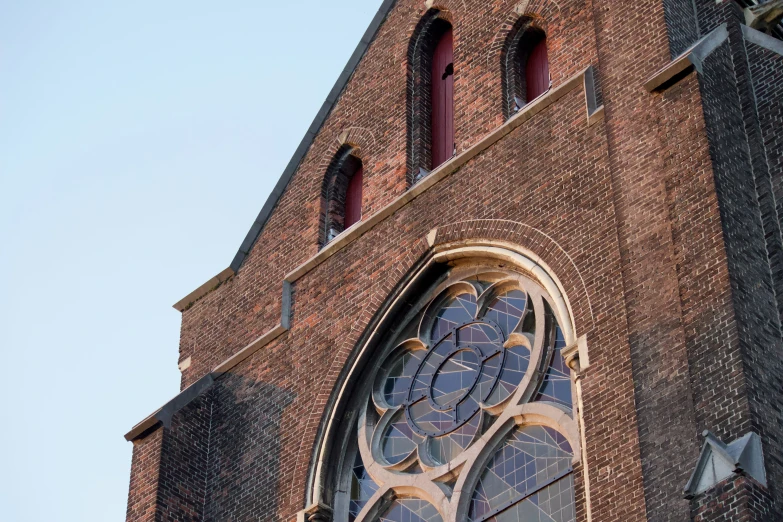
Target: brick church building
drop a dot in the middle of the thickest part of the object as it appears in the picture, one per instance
(526, 265)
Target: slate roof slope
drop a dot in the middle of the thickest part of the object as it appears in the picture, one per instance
(312, 132)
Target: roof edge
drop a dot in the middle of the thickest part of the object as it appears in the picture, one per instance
(309, 137)
(184, 303)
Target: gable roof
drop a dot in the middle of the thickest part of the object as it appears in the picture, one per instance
(310, 135)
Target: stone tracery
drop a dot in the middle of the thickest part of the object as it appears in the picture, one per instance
(445, 403)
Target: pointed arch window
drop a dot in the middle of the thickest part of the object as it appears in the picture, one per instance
(341, 194)
(465, 413)
(430, 95)
(525, 65)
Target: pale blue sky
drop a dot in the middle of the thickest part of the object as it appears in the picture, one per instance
(138, 141)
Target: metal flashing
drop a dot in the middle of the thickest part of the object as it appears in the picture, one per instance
(691, 59)
(762, 39)
(718, 461)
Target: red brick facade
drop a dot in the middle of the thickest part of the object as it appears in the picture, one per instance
(633, 208)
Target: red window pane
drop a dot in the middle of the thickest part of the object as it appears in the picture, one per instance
(537, 71)
(353, 199)
(443, 100)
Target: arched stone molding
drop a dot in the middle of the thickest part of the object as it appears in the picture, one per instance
(315, 425)
(533, 243)
(500, 41)
(451, 246)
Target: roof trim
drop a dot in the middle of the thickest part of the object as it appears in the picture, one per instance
(310, 135)
(184, 303)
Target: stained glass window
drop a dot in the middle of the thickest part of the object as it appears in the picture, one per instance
(468, 363)
(456, 310)
(411, 510)
(528, 478)
(362, 488)
(557, 381)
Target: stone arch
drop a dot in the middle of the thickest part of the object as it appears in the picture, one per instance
(480, 240)
(423, 37)
(553, 257)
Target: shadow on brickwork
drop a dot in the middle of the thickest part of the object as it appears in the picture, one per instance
(221, 455)
(748, 222)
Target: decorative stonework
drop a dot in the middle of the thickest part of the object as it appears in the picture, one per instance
(477, 377)
(318, 513)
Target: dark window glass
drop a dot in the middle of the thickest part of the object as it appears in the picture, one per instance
(411, 510)
(362, 488)
(557, 381)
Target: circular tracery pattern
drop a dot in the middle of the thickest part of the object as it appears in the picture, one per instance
(454, 378)
(484, 344)
(471, 354)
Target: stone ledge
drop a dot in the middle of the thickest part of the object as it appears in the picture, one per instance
(184, 303)
(689, 60)
(446, 170)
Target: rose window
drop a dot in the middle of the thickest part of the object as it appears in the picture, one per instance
(479, 364)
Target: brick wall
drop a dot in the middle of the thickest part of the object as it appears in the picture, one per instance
(651, 219)
(143, 495)
(752, 241)
(736, 499)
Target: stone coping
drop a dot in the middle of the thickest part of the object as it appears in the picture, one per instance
(689, 60)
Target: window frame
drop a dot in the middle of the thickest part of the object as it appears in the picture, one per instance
(530, 413)
(345, 165)
(429, 31)
(526, 33)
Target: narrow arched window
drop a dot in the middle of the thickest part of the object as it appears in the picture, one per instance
(525, 66)
(443, 100)
(467, 386)
(341, 194)
(430, 95)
